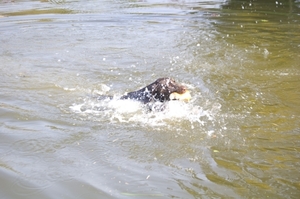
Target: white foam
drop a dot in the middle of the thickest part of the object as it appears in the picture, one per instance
(133, 112)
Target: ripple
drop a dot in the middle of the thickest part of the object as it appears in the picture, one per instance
(33, 146)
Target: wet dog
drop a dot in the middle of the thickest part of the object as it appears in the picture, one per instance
(156, 94)
(163, 89)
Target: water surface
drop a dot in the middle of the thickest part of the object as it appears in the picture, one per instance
(237, 138)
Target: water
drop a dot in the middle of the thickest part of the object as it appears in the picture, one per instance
(237, 138)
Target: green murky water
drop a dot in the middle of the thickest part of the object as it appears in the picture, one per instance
(237, 138)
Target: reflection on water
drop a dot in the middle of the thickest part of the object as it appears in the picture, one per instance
(237, 138)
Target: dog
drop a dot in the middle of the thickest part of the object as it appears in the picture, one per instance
(156, 94)
(162, 90)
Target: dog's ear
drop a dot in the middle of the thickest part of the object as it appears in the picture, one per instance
(172, 86)
(163, 87)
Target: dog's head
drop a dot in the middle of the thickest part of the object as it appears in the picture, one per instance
(165, 89)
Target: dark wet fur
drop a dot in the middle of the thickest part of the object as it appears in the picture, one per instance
(159, 90)
(153, 96)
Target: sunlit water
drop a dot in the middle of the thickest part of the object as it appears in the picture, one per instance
(237, 138)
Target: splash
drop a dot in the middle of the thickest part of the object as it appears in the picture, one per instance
(171, 115)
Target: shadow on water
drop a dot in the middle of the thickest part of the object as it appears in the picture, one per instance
(237, 138)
